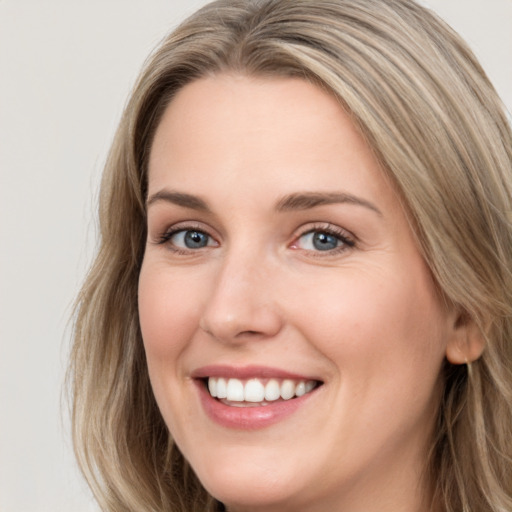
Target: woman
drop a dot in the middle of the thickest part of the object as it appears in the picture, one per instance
(302, 298)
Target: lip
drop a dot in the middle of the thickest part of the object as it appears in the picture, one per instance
(248, 418)
(248, 372)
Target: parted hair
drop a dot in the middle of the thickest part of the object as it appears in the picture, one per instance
(439, 130)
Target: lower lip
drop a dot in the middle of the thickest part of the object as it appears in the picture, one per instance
(249, 418)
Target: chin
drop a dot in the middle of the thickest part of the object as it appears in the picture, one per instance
(251, 487)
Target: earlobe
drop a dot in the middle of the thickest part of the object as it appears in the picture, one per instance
(467, 343)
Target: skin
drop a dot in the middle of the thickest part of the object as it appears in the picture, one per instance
(365, 317)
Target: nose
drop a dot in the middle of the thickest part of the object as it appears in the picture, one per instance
(242, 304)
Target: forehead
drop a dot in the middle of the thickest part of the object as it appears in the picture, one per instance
(235, 131)
(245, 105)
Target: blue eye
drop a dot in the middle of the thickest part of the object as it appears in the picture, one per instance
(325, 242)
(318, 240)
(189, 239)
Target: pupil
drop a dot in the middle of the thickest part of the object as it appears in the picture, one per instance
(195, 239)
(324, 241)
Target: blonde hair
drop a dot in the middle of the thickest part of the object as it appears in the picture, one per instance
(438, 128)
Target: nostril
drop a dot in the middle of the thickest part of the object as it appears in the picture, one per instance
(249, 334)
(229, 322)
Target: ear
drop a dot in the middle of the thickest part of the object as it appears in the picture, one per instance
(467, 342)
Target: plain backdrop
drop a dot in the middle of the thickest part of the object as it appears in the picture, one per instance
(66, 67)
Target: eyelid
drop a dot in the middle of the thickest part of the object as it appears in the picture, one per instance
(348, 239)
(163, 237)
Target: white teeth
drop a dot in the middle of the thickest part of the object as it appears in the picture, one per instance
(287, 389)
(300, 389)
(253, 390)
(272, 390)
(310, 385)
(222, 391)
(235, 390)
(212, 387)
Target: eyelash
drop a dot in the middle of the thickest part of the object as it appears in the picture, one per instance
(165, 237)
(346, 240)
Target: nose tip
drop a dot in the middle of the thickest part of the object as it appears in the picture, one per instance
(242, 323)
(241, 307)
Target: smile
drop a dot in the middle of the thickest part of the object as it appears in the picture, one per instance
(257, 392)
(253, 397)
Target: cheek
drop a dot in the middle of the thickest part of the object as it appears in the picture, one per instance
(168, 314)
(168, 320)
(382, 325)
(385, 339)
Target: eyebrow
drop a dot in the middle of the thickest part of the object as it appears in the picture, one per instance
(179, 199)
(291, 202)
(307, 200)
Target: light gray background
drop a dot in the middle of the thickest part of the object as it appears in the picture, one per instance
(66, 67)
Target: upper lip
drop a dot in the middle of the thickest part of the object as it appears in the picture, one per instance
(248, 372)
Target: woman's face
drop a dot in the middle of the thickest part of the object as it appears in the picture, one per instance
(281, 271)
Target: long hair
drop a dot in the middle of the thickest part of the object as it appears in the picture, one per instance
(436, 125)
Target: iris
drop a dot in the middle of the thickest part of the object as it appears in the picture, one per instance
(324, 241)
(195, 239)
